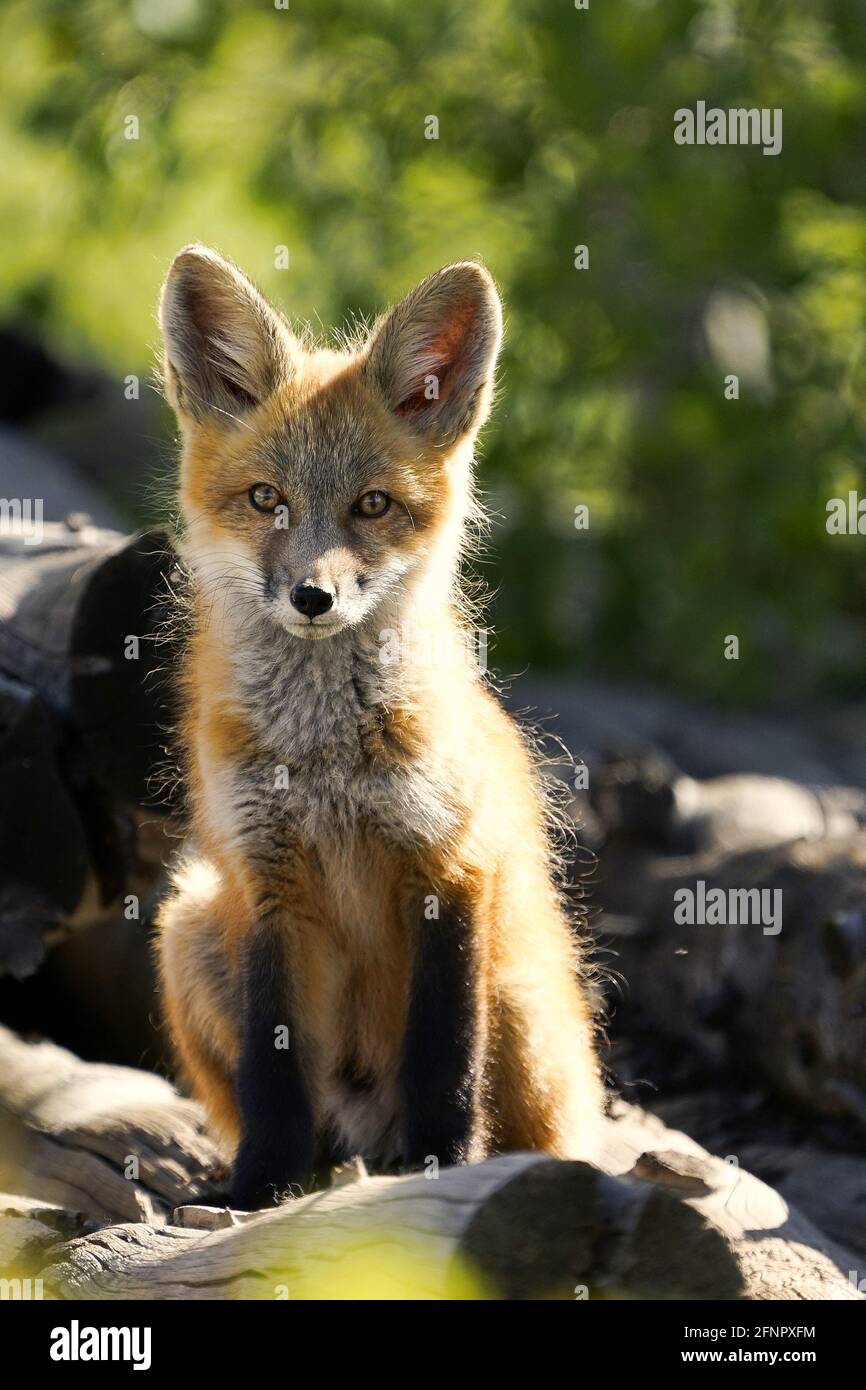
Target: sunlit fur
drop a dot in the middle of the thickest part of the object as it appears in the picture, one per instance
(330, 786)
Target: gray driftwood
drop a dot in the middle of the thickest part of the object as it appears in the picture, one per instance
(112, 1143)
(652, 1216)
(724, 1002)
(82, 719)
(785, 1012)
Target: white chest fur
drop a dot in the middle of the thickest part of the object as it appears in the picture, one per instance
(318, 710)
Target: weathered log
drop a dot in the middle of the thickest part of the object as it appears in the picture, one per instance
(519, 1226)
(724, 996)
(652, 1216)
(82, 721)
(31, 1232)
(70, 599)
(641, 796)
(715, 1004)
(109, 1142)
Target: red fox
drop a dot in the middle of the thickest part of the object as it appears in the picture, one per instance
(367, 952)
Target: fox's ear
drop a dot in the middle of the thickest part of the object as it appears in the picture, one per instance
(433, 356)
(225, 347)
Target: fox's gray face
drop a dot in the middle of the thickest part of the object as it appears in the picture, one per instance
(331, 562)
(336, 522)
(315, 483)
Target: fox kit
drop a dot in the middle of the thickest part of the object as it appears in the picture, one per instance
(367, 952)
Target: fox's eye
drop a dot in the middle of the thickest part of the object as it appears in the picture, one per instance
(372, 504)
(264, 497)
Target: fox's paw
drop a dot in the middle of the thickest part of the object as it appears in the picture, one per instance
(254, 1187)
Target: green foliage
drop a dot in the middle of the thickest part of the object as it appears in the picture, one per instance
(305, 127)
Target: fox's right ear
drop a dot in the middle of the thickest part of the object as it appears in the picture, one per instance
(433, 356)
(226, 349)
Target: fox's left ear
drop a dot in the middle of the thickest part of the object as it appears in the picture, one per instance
(433, 356)
(226, 349)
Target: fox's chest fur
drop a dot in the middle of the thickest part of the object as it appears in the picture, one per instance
(325, 773)
(328, 758)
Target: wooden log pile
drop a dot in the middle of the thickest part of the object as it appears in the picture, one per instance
(781, 1010)
(82, 721)
(111, 1192)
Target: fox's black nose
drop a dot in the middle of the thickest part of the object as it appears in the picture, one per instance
(311, 601)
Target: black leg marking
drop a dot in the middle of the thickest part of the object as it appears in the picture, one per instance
(439, 1073)
(276, 1148)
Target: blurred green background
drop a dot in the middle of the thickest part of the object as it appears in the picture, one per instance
(305, 127)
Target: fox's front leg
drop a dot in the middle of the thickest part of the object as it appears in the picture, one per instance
(443, 1048)
(275, 1153)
